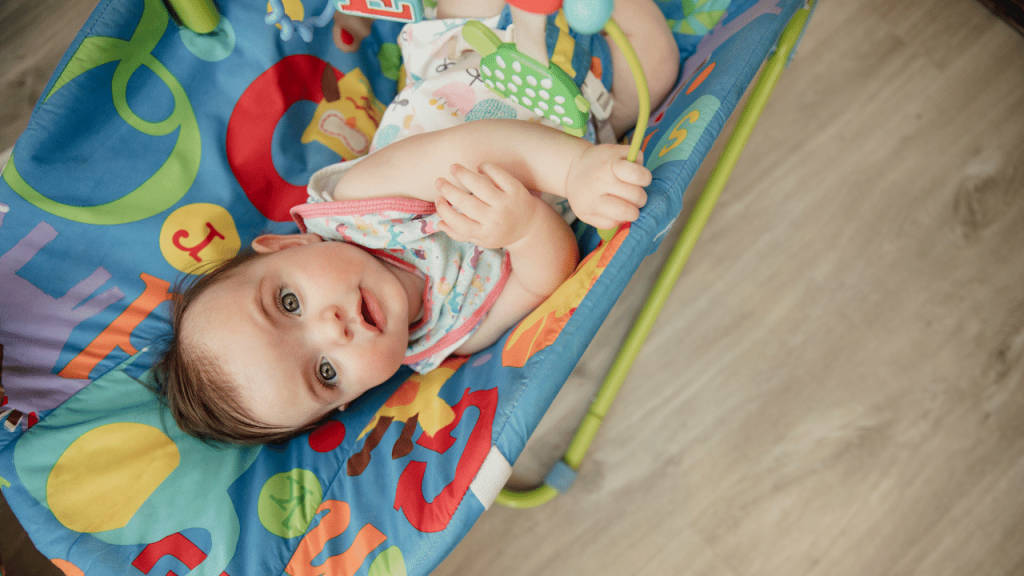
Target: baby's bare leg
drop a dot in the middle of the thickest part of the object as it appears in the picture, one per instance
(469, 8)
(645, 26)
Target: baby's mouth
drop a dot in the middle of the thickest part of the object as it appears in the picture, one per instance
(370, 309)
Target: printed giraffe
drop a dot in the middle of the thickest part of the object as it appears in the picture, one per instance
(416, 402)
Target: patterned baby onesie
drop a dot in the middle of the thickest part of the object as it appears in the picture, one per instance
(442, 88)
(462, 280)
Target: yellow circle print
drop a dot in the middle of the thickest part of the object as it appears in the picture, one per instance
(197, 235)
(106, 475)
(292, 8)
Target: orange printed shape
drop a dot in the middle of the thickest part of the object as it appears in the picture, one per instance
(701, 78)
(118, 333)
(541, 328)
(333, 524)
(67, 568)
(647, 139)
(405, 394)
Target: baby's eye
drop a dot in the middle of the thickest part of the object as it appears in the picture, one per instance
(289, 301)
(326, 373)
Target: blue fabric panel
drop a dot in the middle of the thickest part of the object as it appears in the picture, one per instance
(153, 151)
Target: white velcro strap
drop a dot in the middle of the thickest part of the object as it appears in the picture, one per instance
(601, 105)
(491, 478)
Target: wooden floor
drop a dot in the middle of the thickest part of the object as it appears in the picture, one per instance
(836, 386)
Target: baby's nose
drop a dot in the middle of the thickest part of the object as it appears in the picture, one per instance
(337, 324)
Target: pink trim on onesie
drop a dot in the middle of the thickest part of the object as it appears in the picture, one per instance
(362, 208)
(471, 323)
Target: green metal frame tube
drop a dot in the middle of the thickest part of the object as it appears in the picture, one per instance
(673, 267)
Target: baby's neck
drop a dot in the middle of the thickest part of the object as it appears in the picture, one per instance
(414, 284)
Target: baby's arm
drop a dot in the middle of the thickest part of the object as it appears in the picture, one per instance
(493, 210)
(603, 188)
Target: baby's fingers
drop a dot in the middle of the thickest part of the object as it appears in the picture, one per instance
(454, 222)
(452, 233)
(501, 178)
(631, 172)
(631, 194)
(463, 201)
(616, 209)
(478, 185)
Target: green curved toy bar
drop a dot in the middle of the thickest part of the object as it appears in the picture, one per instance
(643, 92)
(670, 272)
(199, 16)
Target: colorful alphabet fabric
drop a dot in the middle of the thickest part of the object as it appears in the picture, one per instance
(155, 151)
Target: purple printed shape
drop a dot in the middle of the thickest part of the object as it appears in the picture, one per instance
(720, 33)
(34, 326)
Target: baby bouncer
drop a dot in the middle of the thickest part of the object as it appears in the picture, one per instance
(172, 135)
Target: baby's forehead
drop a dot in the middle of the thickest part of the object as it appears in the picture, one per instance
(219, 330)
(219, 301)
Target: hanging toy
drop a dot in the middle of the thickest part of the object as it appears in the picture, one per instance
(545, 89)
(522, 71)
(588, 16)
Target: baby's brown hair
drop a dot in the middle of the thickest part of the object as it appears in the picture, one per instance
(199, 395)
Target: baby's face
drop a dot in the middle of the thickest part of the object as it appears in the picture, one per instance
(304, 329)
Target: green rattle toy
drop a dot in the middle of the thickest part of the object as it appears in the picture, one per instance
(547, 90)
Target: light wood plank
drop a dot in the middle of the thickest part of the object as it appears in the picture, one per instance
(835, 387)
(34, 34)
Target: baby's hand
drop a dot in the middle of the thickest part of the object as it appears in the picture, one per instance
(491, 209)
(604, 188)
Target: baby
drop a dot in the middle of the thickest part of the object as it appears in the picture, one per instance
(429, 246)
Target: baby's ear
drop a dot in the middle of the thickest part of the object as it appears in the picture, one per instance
(273, 242)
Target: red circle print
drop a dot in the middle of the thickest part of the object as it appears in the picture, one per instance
(328, 436)
(251, 131)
